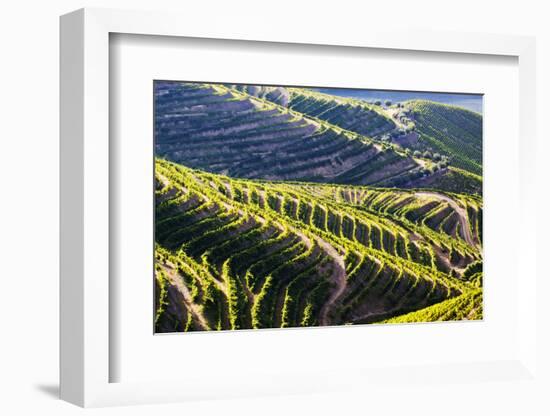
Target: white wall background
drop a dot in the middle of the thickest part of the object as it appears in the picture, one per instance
(29, 206)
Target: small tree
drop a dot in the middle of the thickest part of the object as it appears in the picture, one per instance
(378, 102)
(388, 103)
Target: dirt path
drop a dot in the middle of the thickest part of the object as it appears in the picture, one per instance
(163, 179)
(439, 253)
(462, 215)
(338, 277)
(191, 306)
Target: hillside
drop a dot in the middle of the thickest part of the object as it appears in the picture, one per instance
(450, 131)
(239, 132)
(347, 113)
(450, 179)
(239, 253)
(440, 128)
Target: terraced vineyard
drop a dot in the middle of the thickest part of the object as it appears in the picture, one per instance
(246, 254)
(347, 113)
(283, 207)
(258, 138)
(450, 130)
(419, 125)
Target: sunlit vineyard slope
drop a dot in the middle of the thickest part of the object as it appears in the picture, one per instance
(240, 253)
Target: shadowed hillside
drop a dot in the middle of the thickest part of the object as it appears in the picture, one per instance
(431, 130)
(347, 113)
(225, 130)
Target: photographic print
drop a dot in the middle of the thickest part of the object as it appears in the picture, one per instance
(289, 206)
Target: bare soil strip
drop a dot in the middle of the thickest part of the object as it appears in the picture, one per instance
(462, 215)
(338, 277)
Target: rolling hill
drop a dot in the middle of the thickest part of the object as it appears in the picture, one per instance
(286, 207)
(424, 126)
(241, 253)
(242, 134)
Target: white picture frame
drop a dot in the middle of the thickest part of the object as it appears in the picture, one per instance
(85, 212)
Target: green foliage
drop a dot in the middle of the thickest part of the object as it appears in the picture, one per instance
(258, 138)
(472, 270)
(451, 131)
(253, 254)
